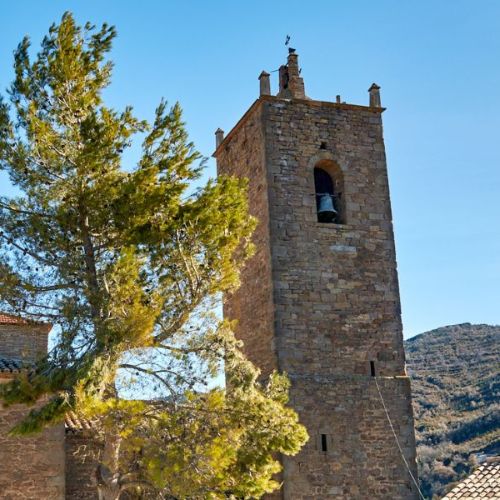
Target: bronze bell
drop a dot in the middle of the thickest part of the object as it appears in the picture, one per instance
(326, 210)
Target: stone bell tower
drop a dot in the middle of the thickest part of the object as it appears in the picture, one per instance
(320, 299)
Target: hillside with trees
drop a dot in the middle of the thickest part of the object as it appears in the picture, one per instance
(456, 388)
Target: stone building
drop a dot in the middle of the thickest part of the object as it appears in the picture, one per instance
(32, 467)
(320, 299)
(49, 465)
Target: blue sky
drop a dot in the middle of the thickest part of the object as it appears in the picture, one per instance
(437, 64)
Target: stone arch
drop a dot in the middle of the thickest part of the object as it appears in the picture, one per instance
(325, 163)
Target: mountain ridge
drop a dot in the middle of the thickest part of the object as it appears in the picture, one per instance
(456, 389)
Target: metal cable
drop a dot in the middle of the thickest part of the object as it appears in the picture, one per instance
(397, 440)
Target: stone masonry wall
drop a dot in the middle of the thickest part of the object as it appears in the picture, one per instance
(252, 304)
(81, 452)
(32, 467)
(335, 284)
(25, 342)
(335, 297)
(362, 460)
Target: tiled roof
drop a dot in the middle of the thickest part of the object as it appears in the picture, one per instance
(484, 482)
(75, 423)
(11, 365)
(9, 319)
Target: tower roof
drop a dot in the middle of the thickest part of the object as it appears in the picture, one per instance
(291, 90)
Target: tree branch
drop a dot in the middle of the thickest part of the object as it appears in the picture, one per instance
(153, 374)
(28, 252)
(24, 212)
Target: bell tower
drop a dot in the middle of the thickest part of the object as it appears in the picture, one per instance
(320, 300)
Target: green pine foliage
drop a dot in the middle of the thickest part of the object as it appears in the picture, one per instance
(127, 264)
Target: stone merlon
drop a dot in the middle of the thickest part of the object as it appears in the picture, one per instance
(374, 91)
(219, 137)
(265, 84)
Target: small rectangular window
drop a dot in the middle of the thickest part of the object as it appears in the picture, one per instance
(324, 445)
(372, 368)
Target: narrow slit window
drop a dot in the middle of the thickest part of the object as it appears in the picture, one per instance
(324, 444)
(372, 368)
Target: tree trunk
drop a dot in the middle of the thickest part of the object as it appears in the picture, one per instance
(108, 492)
(107, 472)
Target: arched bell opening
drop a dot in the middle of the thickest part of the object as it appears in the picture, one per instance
(328, 186)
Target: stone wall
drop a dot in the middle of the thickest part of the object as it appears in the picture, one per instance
(334, 284)
(252, 304)
(362, 459)
(32, 467)
(81, 453)
(334, 314)
(21, 341)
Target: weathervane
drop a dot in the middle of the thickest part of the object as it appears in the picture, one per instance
(290, 50)
(287, 42)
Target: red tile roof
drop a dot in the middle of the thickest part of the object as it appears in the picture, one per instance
(9, 319)
(484, 482)
(76, 423)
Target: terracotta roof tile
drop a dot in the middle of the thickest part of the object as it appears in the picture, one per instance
(9, 319)
(75, 423)
(484, 482)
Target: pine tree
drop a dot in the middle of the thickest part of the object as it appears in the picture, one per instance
(128, 264)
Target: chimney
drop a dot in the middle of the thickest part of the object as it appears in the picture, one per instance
(219, 137)
(291, 83)
(374, 91)
(265, 84)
